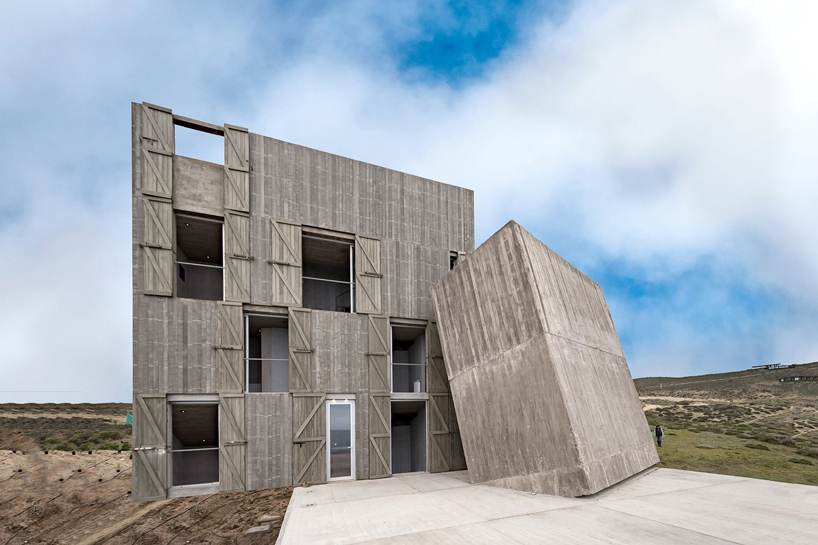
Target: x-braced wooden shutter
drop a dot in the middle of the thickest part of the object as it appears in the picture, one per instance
(444, 434)
(440, 452)
(237, 256)
(368, 275)
(157, 144)
(232, 443)
(300, 338)
(458, 458)
(229, 348)
(150, 474)
(380, 386)
(380, 435)
(285, 258)
(435, 365)
(309, 438)
(157, 246)
(377, 355)
(236, 168)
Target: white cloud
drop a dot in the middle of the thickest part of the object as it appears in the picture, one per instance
(658, 135)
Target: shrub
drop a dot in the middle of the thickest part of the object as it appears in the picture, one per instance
(801, 461)
(756, 446)
(811, 452)
(52, 441)
(105, 436)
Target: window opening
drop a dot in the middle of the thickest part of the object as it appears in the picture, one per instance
(194, 443)
(199, 260)
(452, 260)
(408, 359)
(408, 436)
(199, 144)
(328, 274)
(266, 355)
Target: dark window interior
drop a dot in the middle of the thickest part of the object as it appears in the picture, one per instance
(198, 258)
(408, 436)
(195, 443)
(326, 274)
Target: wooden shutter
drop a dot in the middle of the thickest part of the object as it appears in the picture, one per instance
(458, 457)
(309, 438)
(157, 141)
(368, 275)
(436, 368)
(232, 443)
(446, 448)
(157, 246)
(229, 348)
(300, 339)
(380, 436)
(237, 256)
(377, 355)
(150, 473)
(285, 258)
(440, 452)
(236, 168)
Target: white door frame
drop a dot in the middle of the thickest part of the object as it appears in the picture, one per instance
(351, 402)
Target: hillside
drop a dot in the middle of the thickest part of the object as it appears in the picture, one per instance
(746, 423)
(740, 383)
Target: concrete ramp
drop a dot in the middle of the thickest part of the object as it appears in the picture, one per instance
(544, 399)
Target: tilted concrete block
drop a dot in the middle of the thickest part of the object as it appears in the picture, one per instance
(543, 395)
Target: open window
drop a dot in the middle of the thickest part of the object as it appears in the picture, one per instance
(266, 354)
(199, 140)
(199, 259)
(408, 359)
(194, 443)
(408, 436)
(328, 273)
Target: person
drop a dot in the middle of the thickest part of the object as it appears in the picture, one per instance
(659, 433)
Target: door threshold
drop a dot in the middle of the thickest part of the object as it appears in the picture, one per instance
(193, 490)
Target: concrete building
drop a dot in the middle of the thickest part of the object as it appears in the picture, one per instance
(544, 398)
(285, 332)
(283, 322)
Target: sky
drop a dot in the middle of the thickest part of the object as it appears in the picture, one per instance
(667, 150)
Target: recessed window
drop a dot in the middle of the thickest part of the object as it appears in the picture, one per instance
(194, 443)
(408, 359)
(267, 354)
(199, 260)
(408, 436)
(198, 144)
(328, 274)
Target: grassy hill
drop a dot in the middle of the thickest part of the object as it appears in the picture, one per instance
(746, 423)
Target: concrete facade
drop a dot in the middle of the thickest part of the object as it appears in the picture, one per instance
(271, 201)
(544, 398)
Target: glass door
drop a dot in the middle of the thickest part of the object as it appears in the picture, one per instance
(340, 439)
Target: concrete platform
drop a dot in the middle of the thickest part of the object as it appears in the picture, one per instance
(656, 506)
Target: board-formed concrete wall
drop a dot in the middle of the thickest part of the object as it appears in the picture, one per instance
(543, 395)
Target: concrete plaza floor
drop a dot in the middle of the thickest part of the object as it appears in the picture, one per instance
(657, 506)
